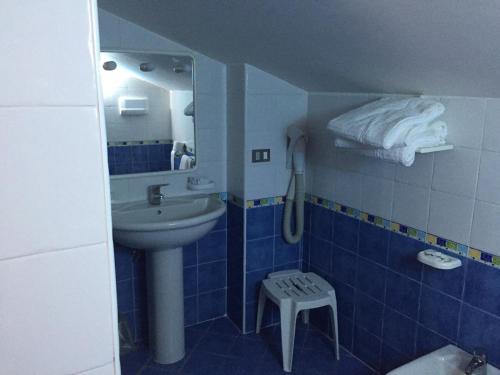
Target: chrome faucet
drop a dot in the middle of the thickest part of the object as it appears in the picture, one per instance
(155, 195)
(477, 365)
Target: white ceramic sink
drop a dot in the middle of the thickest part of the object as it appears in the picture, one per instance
(175, 222)
(448, 360)
(162, 230)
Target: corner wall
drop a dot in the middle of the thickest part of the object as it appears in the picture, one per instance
(58, 309)
(260, 109)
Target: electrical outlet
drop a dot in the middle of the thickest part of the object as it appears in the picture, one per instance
(261, 155)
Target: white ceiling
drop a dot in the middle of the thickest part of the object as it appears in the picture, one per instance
(438, 47)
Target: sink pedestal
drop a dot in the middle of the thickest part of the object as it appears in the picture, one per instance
(161, 231)
(165, 304)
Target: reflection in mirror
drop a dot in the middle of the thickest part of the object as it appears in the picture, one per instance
(149, 111)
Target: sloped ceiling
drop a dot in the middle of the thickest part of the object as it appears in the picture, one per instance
(438, 47)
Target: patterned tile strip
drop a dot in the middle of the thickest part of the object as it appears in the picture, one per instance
(431, 239)
(236, 200)
(458, 248)
(222, 196)
(253, 203)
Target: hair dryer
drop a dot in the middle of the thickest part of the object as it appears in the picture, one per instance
(295, 160)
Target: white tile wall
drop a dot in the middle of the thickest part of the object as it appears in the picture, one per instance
(103, 370)
(32, 48)
(53, 142)
(57, 288)
(345, 159)
(236, 131)
(488, 187)
(491, 139)
(212, 150)
(347, 189)
(210, 99)
(485, 230)
(440, 193)
(208, 112)
(156, 124)
(450, 216)
(260, 181)
(273, 111)
(55, 312)
(376, 195)
(411, 205)
(456, 172)
(420, 173)
(465, 118)
(271, 105)
(324, 184)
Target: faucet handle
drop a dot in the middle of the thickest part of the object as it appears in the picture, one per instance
(155, 195)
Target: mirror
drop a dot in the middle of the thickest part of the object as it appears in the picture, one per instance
(149, 111)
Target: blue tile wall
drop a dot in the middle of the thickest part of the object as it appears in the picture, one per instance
(205, 276)
(235, 263)
(392, 308)
(205, 285)
(139, 158)
(266, 252)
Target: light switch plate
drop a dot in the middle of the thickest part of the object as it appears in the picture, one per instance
(261, 155)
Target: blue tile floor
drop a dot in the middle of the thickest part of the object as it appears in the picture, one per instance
(218, 348)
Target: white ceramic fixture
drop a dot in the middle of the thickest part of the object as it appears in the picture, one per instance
(438, 260)
(448, 360)
(161, 230)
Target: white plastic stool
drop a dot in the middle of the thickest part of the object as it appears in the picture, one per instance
(293, 292)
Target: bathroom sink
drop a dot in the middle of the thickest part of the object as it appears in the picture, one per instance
(161, 230)
(175, 222)
(448, 360)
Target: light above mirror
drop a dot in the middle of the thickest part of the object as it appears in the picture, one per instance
(149, 111)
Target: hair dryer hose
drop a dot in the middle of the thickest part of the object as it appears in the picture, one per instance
(299, 211)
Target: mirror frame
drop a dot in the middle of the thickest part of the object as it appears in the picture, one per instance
(193, 78)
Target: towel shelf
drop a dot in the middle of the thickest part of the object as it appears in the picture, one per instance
(427, 150)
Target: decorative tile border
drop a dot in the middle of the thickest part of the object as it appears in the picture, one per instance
(222, 195)
(262, 202)
(236, 200)
(431, 239)
(417, 234)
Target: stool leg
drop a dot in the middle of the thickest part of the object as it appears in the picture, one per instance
(335, 325)
(288, 317)
(260, 309)
(305, 316)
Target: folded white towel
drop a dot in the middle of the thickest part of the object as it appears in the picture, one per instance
(178, 147)
(186, 162)
(428, 135)
(404, 155)
(386, 122)
(423, 136)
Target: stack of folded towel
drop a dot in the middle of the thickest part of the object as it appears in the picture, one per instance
(391, 128)
(178, 149)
